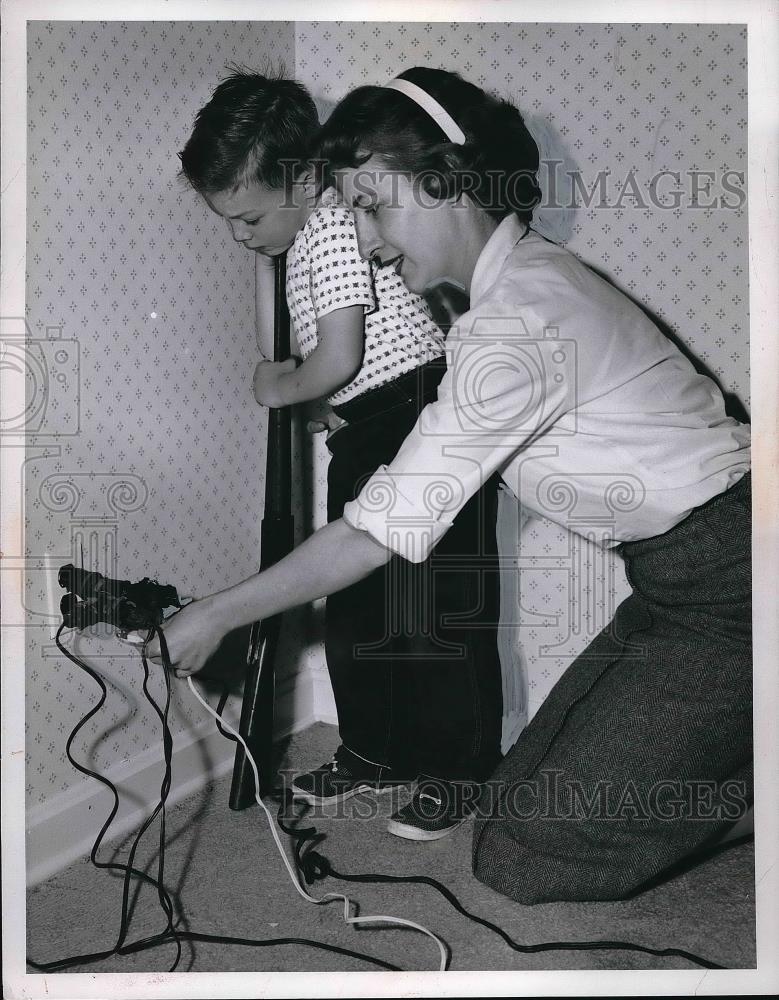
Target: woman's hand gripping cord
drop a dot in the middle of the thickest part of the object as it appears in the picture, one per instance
(192, 635)
(334, 557)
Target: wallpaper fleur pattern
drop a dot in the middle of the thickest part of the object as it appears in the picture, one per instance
(147, 452)
(150, 457)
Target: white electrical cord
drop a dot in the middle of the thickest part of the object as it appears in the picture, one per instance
(348, 918)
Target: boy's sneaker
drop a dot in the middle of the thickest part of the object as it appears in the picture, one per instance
(344, 775)
(436, 809)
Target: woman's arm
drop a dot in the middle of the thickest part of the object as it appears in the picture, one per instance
(333, 363)
(332, 558)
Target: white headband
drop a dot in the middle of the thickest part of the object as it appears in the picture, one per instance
(429, 104)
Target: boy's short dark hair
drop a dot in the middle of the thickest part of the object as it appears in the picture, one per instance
(254, 129)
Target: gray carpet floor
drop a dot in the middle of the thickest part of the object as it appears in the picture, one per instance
(224, 872)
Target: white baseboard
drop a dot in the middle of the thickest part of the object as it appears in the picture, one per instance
(63, 829)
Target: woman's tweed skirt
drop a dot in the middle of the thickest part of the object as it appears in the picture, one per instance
(642, 753)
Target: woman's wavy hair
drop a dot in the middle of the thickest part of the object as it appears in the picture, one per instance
(497, 165)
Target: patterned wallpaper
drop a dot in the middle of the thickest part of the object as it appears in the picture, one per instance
(147, 453)
(149, 450)
(612, 107)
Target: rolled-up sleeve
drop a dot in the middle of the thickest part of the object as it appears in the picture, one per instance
(394, 511)
(498, 394)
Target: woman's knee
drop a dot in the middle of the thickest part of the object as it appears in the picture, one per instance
(541, 875)
(543, 861)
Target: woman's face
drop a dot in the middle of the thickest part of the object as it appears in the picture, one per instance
(399, 224)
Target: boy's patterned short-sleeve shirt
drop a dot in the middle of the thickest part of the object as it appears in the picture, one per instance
(325, 272)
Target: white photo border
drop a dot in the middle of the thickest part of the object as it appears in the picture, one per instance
(762, 19)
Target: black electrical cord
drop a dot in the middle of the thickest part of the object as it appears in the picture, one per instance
(164, 897)
(60, 964)
(311, 863)
(87, 771)
(170, 934)
(315, 866)
(128, 869)
(167, 741)
(219, 709)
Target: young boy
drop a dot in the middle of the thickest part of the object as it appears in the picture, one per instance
(413, 695)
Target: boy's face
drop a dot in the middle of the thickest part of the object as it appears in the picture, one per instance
(265, 220)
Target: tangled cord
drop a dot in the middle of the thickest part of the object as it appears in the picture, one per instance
(170, 934)
(348, 916)
(129, 870)
(313, 865)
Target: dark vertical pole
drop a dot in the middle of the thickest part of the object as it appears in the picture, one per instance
(276, 539)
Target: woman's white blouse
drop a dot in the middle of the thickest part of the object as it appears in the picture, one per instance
(555, 379)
